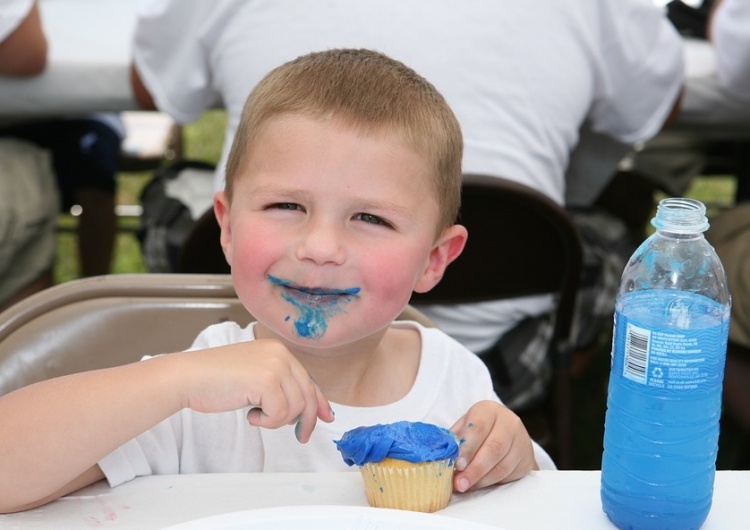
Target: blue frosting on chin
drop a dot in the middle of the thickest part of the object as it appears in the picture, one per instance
(412, 441)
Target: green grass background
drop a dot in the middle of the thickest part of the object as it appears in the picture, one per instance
(202, 141)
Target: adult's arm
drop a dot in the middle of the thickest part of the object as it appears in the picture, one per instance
(24, 50)
(142, 95)
(642, 67)
(676, 106)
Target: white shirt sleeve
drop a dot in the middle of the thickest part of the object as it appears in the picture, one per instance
(171, 54)
(641, 49)
(731, 39)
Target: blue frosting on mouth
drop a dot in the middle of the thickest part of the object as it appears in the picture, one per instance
(315, 305)
(411, 441)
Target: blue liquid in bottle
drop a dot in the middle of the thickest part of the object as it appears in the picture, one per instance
(664, 402)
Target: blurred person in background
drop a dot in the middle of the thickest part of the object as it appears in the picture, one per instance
(83, 150)
(85, 155)
(28, 192)
(729, 31)
(524, 78)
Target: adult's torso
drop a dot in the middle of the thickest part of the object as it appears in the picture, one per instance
(520, 78)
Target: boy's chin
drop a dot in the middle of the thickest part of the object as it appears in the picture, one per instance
(333, 337)
(291, 333)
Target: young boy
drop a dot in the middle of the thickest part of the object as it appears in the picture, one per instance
(343, 185)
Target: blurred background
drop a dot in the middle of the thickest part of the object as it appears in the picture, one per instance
(201, 141)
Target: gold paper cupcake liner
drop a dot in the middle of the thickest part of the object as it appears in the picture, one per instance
(402, 485)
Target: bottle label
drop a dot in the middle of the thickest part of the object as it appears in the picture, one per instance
(662, 355)
(664, 359)
(637, 349)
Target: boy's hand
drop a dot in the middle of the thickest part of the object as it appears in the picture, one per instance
(495, 447)
(261, 374)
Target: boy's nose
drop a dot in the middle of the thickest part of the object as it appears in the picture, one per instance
(322, 243)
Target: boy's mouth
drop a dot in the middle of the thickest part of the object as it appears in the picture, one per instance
(313, 296)
(314, 305)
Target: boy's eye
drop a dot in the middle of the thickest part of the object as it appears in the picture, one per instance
(284, 206)
(372, 219)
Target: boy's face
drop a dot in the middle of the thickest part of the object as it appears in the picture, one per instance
(330, 231)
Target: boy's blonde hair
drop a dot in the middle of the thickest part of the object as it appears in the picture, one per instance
(366, 90)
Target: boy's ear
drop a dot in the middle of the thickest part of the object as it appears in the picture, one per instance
(221, 210)
(446, 249)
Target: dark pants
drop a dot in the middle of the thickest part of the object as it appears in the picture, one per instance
(85, 152)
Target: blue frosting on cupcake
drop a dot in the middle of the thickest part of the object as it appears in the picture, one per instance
(411, 441)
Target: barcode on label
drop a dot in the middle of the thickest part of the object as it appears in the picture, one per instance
(635, 363)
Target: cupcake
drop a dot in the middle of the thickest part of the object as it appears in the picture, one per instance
(404, 465)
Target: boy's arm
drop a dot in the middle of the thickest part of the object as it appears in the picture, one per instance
(93, 474)
(55, 431)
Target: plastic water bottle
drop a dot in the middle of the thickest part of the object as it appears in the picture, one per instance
(664, 403)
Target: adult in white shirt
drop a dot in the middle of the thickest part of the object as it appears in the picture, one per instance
(522, 77)
(729, 31)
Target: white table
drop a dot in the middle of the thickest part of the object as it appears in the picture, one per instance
(88, 65)
(545, 500)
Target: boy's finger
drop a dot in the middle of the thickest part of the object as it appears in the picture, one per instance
(280, 404)
(312, 402)
(469, 436)
(467, 447)
(487, 467)
(254, 416)
(306, 422)
(325, 412)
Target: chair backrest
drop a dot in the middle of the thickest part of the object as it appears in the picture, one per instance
(520, 243)
(107, 321)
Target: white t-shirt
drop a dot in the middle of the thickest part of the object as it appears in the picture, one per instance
(522, 77)
(731, 38)
(449, 381)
